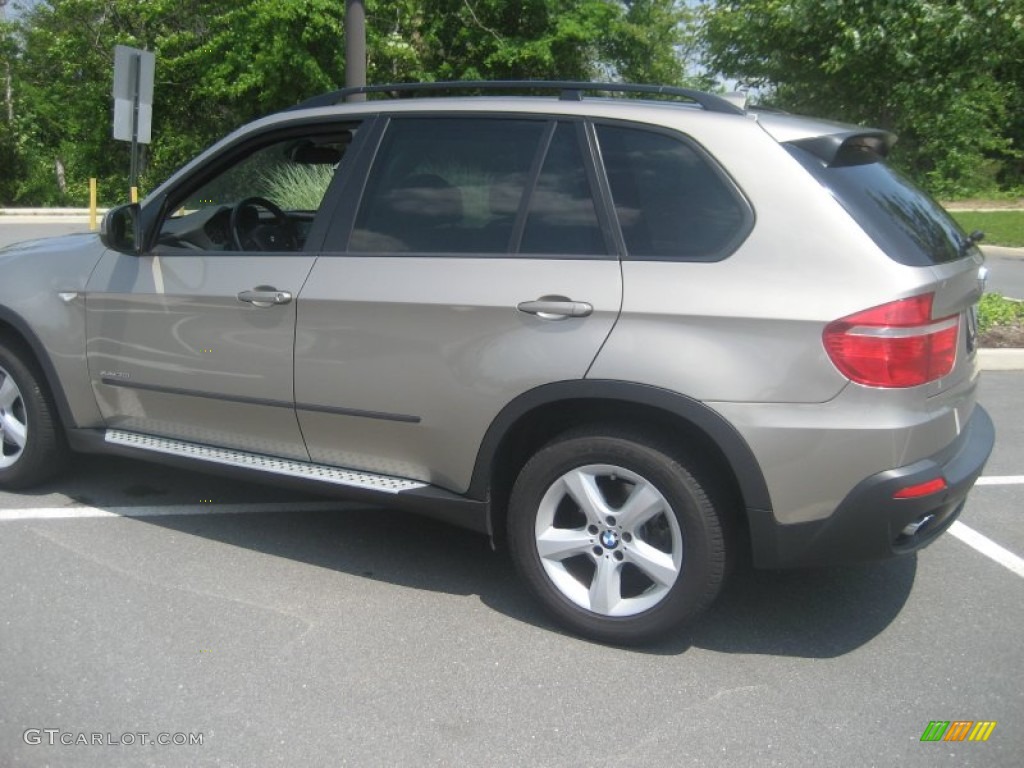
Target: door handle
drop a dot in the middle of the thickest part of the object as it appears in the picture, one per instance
(555, 308)
(265, 296)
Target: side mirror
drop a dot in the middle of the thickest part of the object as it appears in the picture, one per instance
(121, 229)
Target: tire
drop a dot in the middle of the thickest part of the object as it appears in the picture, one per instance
(616, 536)
(32, 447)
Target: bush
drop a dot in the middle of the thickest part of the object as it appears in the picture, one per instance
(995, 310)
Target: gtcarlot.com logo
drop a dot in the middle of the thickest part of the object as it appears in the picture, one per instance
(55, 736)
(958, 730)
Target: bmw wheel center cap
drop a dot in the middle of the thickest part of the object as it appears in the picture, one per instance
(609, 539)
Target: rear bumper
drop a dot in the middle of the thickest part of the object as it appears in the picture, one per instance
(870, 524)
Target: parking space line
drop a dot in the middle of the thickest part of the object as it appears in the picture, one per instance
(987, 547)
(1001, 480)
(82, 512)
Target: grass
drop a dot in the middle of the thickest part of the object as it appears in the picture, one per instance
(1000, 227)
(297, 187)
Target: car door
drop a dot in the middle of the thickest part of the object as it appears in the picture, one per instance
(194, 338)
(475, 267)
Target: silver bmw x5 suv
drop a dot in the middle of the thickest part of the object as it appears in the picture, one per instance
(622, 335)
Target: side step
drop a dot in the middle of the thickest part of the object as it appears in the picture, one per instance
(241, 459)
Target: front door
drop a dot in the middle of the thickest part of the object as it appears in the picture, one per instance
(194, 339)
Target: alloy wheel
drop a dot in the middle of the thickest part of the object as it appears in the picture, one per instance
(608, 540)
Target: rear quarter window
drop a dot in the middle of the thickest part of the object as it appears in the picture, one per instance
(903, 220)
(671, 200)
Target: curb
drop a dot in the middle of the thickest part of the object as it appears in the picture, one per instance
(1001, 359)
(48, 219)
(56, 212)
(1002, 252)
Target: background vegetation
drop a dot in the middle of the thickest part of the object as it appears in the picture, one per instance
(945, 74)
(1000, 227)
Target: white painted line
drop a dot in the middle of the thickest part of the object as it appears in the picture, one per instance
(988, 548)
(1001, 480)
(63, 513)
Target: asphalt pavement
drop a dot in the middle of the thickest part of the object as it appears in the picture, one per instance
(140, 603)
(16, 229)
(1006, 270)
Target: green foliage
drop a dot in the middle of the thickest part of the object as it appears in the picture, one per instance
(946, 75)
(220, 63)
(995, 310)
(636, 40)
(1000, 227)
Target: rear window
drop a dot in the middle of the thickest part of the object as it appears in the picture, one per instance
(904, 221)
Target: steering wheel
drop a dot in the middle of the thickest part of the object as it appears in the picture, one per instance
(248, 233)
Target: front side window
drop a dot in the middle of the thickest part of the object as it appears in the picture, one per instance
(670, 201)
(265, 200)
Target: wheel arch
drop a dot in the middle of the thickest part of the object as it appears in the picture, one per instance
(539, 415)
(13, 329)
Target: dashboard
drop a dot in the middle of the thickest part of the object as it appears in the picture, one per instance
(209, 228)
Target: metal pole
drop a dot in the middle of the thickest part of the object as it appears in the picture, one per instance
(136, 82)
(355, 47)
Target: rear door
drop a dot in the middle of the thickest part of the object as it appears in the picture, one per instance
(474, 266)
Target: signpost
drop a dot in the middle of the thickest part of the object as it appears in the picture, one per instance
(133, 103)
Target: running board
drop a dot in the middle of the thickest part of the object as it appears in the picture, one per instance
(303, 470)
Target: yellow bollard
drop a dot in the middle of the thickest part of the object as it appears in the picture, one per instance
(135, 194)
(92, 204)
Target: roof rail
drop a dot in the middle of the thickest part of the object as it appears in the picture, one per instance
(568, 90)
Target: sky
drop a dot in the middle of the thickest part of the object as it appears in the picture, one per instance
(14, 8)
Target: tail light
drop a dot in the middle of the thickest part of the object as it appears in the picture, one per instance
(894, 345)
(926, 488)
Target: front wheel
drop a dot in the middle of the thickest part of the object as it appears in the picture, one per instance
(616, 536)
(31, 447)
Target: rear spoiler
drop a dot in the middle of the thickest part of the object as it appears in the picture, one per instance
(858, 147)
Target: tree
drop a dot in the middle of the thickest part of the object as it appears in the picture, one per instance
(635, 40)
(220, 63)
(946, 75)
(8, 148)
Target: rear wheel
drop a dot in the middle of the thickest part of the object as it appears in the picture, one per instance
(31, 448)
(616, 536)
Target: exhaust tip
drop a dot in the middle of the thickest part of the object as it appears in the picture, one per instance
(913, 528)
